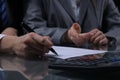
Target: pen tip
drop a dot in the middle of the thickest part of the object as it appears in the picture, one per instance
(52, 50)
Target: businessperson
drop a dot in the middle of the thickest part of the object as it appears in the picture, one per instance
(28, 45)
(74, 21)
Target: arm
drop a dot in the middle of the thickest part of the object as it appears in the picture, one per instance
(36, 18)
(10, 31)
(5, 45)
(110, 25)
(111, 20)
(74, 35)
(24, 46)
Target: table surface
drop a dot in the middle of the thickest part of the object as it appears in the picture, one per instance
(15, 68)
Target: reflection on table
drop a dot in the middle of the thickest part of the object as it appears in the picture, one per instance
(30, 69)
(16, 68)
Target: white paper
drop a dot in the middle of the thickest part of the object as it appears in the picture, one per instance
(69, 52)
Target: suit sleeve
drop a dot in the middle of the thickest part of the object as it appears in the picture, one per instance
(15, 15)
(111, 20)
(37, 20)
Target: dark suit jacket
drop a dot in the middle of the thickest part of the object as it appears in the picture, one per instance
(55, 17)
(14, 14)
(117, 2)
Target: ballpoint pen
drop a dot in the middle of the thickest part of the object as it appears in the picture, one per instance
(26, 27)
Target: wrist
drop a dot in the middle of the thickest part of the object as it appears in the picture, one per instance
(65, 38)
(10, 31)
(6, 44)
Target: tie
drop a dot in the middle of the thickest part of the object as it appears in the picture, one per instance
(3, 13)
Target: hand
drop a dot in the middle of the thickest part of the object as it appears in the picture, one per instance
(29, 45)
(75, 35)
(98, 37)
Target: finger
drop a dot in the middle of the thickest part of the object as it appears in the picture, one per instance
(72, 34)
(98, 39)
(77, 42)
(103, 41)
(76, 27)
(98, 33)
(94, 31)
(81, 39)
(35, 44)
(39, 52)
(47, 42)
(43, 40)
(42, 47)
(28, 40)
(85, 36)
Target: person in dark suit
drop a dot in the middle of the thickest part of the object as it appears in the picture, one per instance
(69, 21)
(27, 45)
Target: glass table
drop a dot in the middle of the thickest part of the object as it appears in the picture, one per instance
(15, 68)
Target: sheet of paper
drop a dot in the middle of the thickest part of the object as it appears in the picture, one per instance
(68, 52)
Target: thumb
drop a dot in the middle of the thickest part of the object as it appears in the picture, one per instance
(76, 27)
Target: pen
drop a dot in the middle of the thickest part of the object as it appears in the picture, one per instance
(30, 30)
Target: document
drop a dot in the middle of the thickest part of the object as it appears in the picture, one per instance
(69, 52)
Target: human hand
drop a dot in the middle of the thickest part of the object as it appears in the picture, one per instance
(29, 45)
(98, 37)
(75, 35)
